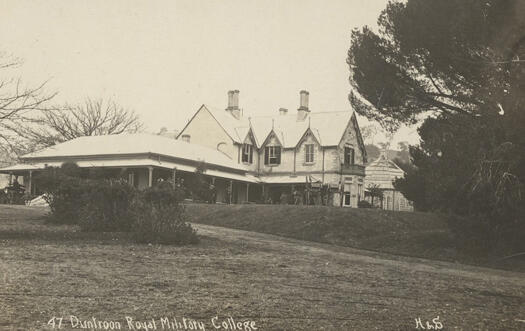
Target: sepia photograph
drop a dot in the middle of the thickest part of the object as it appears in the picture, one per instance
(245, 165)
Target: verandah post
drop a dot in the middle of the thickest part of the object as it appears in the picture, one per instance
(150, 176)
(231, 191)
(30, 182)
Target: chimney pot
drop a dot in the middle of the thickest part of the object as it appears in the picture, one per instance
(283, 111)
(233, 104)
(303, 110)
(186, 138)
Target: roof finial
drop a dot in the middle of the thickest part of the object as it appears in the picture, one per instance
(309, 122)
(273, 120)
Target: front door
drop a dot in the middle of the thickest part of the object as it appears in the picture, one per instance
(346, 195)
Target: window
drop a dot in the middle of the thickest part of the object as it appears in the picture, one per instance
(272, 155)
(247, 153)
(346, 201)
(309, 153)
(349, 156)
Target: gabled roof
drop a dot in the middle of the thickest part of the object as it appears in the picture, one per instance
(235, 128)
(307, 132)
(125, 144)
(384, 163)
(327, 127)
(270, 135)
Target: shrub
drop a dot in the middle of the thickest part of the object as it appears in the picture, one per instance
(64, 196)
(155, 215)
(107, 206)
(160, 218)
(364, 204)
(3, 197)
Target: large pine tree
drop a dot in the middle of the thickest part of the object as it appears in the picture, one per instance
(461, 65)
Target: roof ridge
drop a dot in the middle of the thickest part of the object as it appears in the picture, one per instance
(277, 115)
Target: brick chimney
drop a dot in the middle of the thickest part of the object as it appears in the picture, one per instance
(233, 104)
(303, 110)
(186, 138)
(283, 111)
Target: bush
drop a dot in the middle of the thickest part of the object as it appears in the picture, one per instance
(99, 204)
(64, 196)
(364, 204)
(107, 206)
(3, 197)
(160, 218)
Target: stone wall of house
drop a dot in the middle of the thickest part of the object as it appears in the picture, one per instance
(300, 162)
(287, 159)
(336, 156)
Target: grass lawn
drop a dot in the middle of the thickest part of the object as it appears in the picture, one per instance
(278, 283)
(401, 233)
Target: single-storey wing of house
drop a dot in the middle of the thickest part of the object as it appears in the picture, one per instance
(142, 159)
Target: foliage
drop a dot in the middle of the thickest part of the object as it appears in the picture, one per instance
(160, 218)
(375, 191)
(63, 194)
(457, 56)
(466, 166)
(200, 187)
(364, 204)
(461, 61)
(372, 151)
(99, 204)
(107, 206)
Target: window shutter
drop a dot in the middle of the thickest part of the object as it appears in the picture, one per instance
(278, 154)
(305, 153)
(266, 152)
(353, 155)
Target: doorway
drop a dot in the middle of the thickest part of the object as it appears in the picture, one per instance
(347, 195)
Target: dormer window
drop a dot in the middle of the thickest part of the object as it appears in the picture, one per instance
(349, 156)
(272, 155)
(247, 153)
(309, 153)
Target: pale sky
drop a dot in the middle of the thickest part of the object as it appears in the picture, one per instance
(164, 59)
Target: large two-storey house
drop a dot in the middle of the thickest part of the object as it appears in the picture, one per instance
(304, 157)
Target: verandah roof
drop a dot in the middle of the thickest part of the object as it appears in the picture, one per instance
(131, 163)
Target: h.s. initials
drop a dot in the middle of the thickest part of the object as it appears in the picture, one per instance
(435, 325)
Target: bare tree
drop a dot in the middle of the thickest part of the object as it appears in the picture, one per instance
(93, 117)
(18, 105)
(368, 132)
